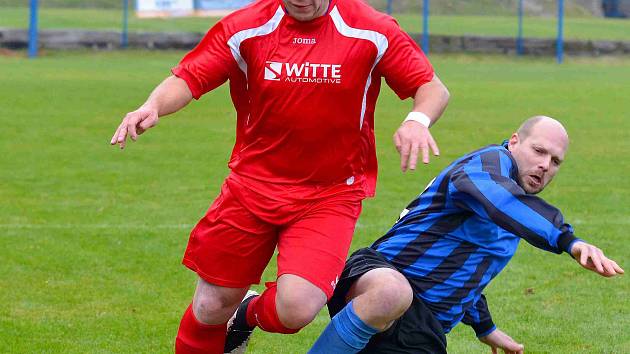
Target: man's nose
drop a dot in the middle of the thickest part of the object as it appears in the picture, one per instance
(544, 163)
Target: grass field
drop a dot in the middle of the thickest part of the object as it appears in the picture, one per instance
(539, 27)
(92, 237)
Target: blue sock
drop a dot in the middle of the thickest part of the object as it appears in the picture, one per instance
(346, 333)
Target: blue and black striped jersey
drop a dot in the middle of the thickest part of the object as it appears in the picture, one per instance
(462, 231)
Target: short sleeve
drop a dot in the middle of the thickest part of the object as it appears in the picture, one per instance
(208, 65)
(404, 65)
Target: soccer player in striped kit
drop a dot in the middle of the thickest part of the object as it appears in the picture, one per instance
(425, 275)
(304, 79)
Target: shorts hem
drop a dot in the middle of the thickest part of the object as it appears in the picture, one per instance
(326, 288)
(190, 264)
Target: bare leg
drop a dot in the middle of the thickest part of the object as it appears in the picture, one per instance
(213, 304)
(374, 302)
(203, 325)
(298, 301)
(380, 296)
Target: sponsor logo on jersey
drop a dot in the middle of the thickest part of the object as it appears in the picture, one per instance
(273, 71)
(303, 72)
(298, 40)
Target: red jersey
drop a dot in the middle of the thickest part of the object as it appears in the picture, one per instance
(305, 92)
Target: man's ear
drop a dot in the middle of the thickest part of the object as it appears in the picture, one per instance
(513, 141)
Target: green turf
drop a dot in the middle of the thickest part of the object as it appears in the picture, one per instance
(101, 19)
(92, 237)
(540, 27)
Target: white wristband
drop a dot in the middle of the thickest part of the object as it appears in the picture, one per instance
(419, 117)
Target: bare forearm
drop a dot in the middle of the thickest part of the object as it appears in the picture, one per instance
(169, 96)
(431, 99)
(413, 135)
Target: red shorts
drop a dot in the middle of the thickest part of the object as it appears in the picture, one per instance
(233, 243)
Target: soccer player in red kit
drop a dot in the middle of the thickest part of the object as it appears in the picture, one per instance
(304, 78)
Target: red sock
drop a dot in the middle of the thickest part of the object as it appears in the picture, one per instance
(195, 337)
(262, 312)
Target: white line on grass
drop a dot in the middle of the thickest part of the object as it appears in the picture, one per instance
(621, 221)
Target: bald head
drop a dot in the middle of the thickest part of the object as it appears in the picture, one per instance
(538, 147)
(536, 124)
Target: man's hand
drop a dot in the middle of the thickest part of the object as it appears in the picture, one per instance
(411, 138)
(168, 97)
(592, 258)
(499, 340)
(134, 124)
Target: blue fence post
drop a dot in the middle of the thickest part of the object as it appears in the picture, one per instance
(425, 27)
(389, 6)
(32, 31)
(124, 37)
(614, 7)
(560, 39)
(519, 38)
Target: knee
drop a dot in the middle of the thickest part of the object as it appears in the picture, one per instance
(392, 295)
(297, 309)
(214, 307)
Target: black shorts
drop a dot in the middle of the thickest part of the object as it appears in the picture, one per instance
(417, 331)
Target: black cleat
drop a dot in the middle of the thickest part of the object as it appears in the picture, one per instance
(238, 331)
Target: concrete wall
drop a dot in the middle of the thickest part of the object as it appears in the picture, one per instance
(76, 39)
(531, 46)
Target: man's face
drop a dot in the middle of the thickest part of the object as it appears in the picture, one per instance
(305, 10)
(539, 155)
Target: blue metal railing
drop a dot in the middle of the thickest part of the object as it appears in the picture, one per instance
(32, 30)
